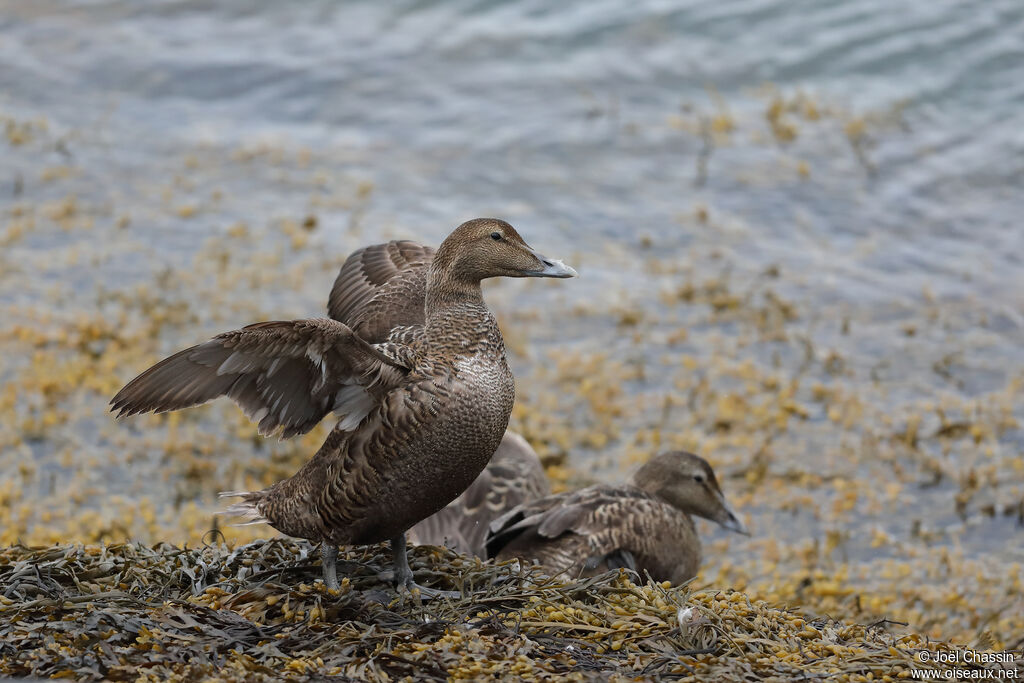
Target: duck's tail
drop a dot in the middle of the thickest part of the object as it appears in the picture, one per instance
(247, 509)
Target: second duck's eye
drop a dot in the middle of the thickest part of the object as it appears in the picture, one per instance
(699, 478)
(495, 236)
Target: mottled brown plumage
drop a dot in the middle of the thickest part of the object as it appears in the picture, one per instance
(512, 477)
(423, 408)
(286, 374)
(644, 525)
(380, 288)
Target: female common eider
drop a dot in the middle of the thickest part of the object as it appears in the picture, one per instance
(513, 476)
(422, 408)
(381, 288)
(644, 525)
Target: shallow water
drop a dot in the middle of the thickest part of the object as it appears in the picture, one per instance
(797, 226)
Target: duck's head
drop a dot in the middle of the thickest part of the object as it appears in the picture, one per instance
(489, 247)
(687, 482)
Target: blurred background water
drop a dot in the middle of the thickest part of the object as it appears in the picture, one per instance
(778, 209)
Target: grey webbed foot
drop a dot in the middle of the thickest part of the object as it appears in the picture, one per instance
(403, 577)
(428, 592)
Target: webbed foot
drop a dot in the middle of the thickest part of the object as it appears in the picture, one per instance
(403, 578)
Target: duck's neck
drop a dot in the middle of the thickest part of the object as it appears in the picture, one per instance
(444, 290)
(455, 308)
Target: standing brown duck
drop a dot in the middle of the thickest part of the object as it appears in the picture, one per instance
(513, 476)
(644, 525)
(422, 408)
(382, 288)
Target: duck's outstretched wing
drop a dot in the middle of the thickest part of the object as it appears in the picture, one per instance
(283, 374)
(514, 476)
(381, 287)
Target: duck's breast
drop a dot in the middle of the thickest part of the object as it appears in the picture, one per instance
(439, 432)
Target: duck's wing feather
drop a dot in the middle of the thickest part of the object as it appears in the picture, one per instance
(514, 476)
(283, 374)
(581, 530)
(556, 514)
(381, 287)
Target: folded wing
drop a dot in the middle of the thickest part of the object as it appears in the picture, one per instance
(592, 528)
(283, 374)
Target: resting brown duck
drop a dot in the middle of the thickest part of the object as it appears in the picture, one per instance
(512, 477)
(644, 525)
(422, 406)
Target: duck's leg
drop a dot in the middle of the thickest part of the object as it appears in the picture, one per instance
(329, 560)
(403, 573)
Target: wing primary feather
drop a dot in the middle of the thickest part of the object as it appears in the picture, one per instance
(281, 373)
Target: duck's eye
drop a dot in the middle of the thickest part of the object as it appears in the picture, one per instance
(496, 236)
(699, 478)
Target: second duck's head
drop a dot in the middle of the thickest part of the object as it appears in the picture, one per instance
(489, 247)
(687, 482)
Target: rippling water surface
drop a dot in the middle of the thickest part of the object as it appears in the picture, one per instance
(797, 224)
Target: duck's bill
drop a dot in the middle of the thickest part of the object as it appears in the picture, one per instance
(552, 268)
(732, 522)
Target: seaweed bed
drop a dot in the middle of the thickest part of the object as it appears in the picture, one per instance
(256, 612)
